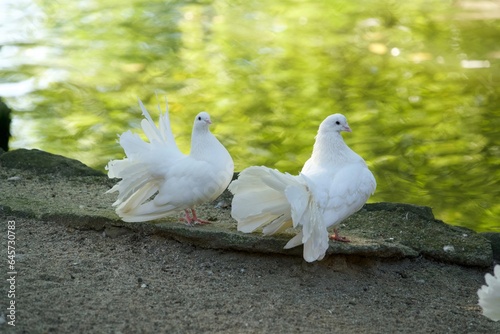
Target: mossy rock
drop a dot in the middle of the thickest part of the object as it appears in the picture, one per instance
(415, 227)
(494, 238)
(45, 163)
(43, 183)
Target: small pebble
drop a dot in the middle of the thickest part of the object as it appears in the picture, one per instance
(14, 178)
(222, 205)
(449, 248)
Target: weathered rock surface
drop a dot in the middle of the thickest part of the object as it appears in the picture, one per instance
(495, 243)
(48, 187)
(45, 163)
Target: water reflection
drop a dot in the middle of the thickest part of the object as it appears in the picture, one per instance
(418, 82)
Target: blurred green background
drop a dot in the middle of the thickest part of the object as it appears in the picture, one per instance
(418, 81)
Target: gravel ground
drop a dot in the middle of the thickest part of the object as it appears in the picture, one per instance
(76, 281)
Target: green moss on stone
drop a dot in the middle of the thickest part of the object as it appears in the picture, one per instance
(45, 163)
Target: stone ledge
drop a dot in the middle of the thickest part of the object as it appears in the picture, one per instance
(72, 194)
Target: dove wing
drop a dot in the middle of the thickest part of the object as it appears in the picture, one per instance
(348, 192)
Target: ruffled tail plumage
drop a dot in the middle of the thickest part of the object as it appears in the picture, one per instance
(274, 201)
(489, 295)
(139, 180)
(333, 184)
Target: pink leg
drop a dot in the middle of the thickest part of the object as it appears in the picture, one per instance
(187, 219)
(193, 219)
(337, 237)
(196, 219)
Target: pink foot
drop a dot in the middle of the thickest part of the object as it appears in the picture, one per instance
(187, 218)
(198, 220)
(337, 237)
(192, 220)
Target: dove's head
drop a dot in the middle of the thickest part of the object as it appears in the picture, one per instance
(335, 123)
(202, 120)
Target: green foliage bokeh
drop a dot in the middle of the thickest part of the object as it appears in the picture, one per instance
(269, 72)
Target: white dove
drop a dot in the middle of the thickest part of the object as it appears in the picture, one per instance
(158, 180)
(489, 295)
(333, 184)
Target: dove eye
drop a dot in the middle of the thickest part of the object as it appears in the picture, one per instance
(337, 122)
(199, 118)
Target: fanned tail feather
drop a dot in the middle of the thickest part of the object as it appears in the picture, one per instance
(264, 197)
(315, 235)
(146, 211)
(165, 128)
(306, 213)
(259, 200)
(133, 145)
(163, 133)
(138, 181)
(136, 187)
(295, 241)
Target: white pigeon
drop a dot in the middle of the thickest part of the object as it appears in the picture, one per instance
(489, 295)
(333, 184)
(158, 180)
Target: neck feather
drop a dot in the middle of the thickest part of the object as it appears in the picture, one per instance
(330, 148)
(202, 144)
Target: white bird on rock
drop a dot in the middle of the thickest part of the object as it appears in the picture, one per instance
(489, 295)
(333, 184)
(158, 180)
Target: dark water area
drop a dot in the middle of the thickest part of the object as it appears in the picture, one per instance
(419, 83)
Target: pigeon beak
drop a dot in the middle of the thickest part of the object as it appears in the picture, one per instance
(208, 121)
(347, 128)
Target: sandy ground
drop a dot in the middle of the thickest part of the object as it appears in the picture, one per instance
(74, 281)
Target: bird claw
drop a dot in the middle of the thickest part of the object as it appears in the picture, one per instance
(187, 222)
(201, 222)
(337, 237)
(194, 220)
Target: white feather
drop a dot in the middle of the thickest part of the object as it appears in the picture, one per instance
(306, 213)
(158, 167)
(261, 199)
(489, 295)
(333, 184)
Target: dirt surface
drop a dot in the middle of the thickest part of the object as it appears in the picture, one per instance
(81, 270)
(74, 281)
